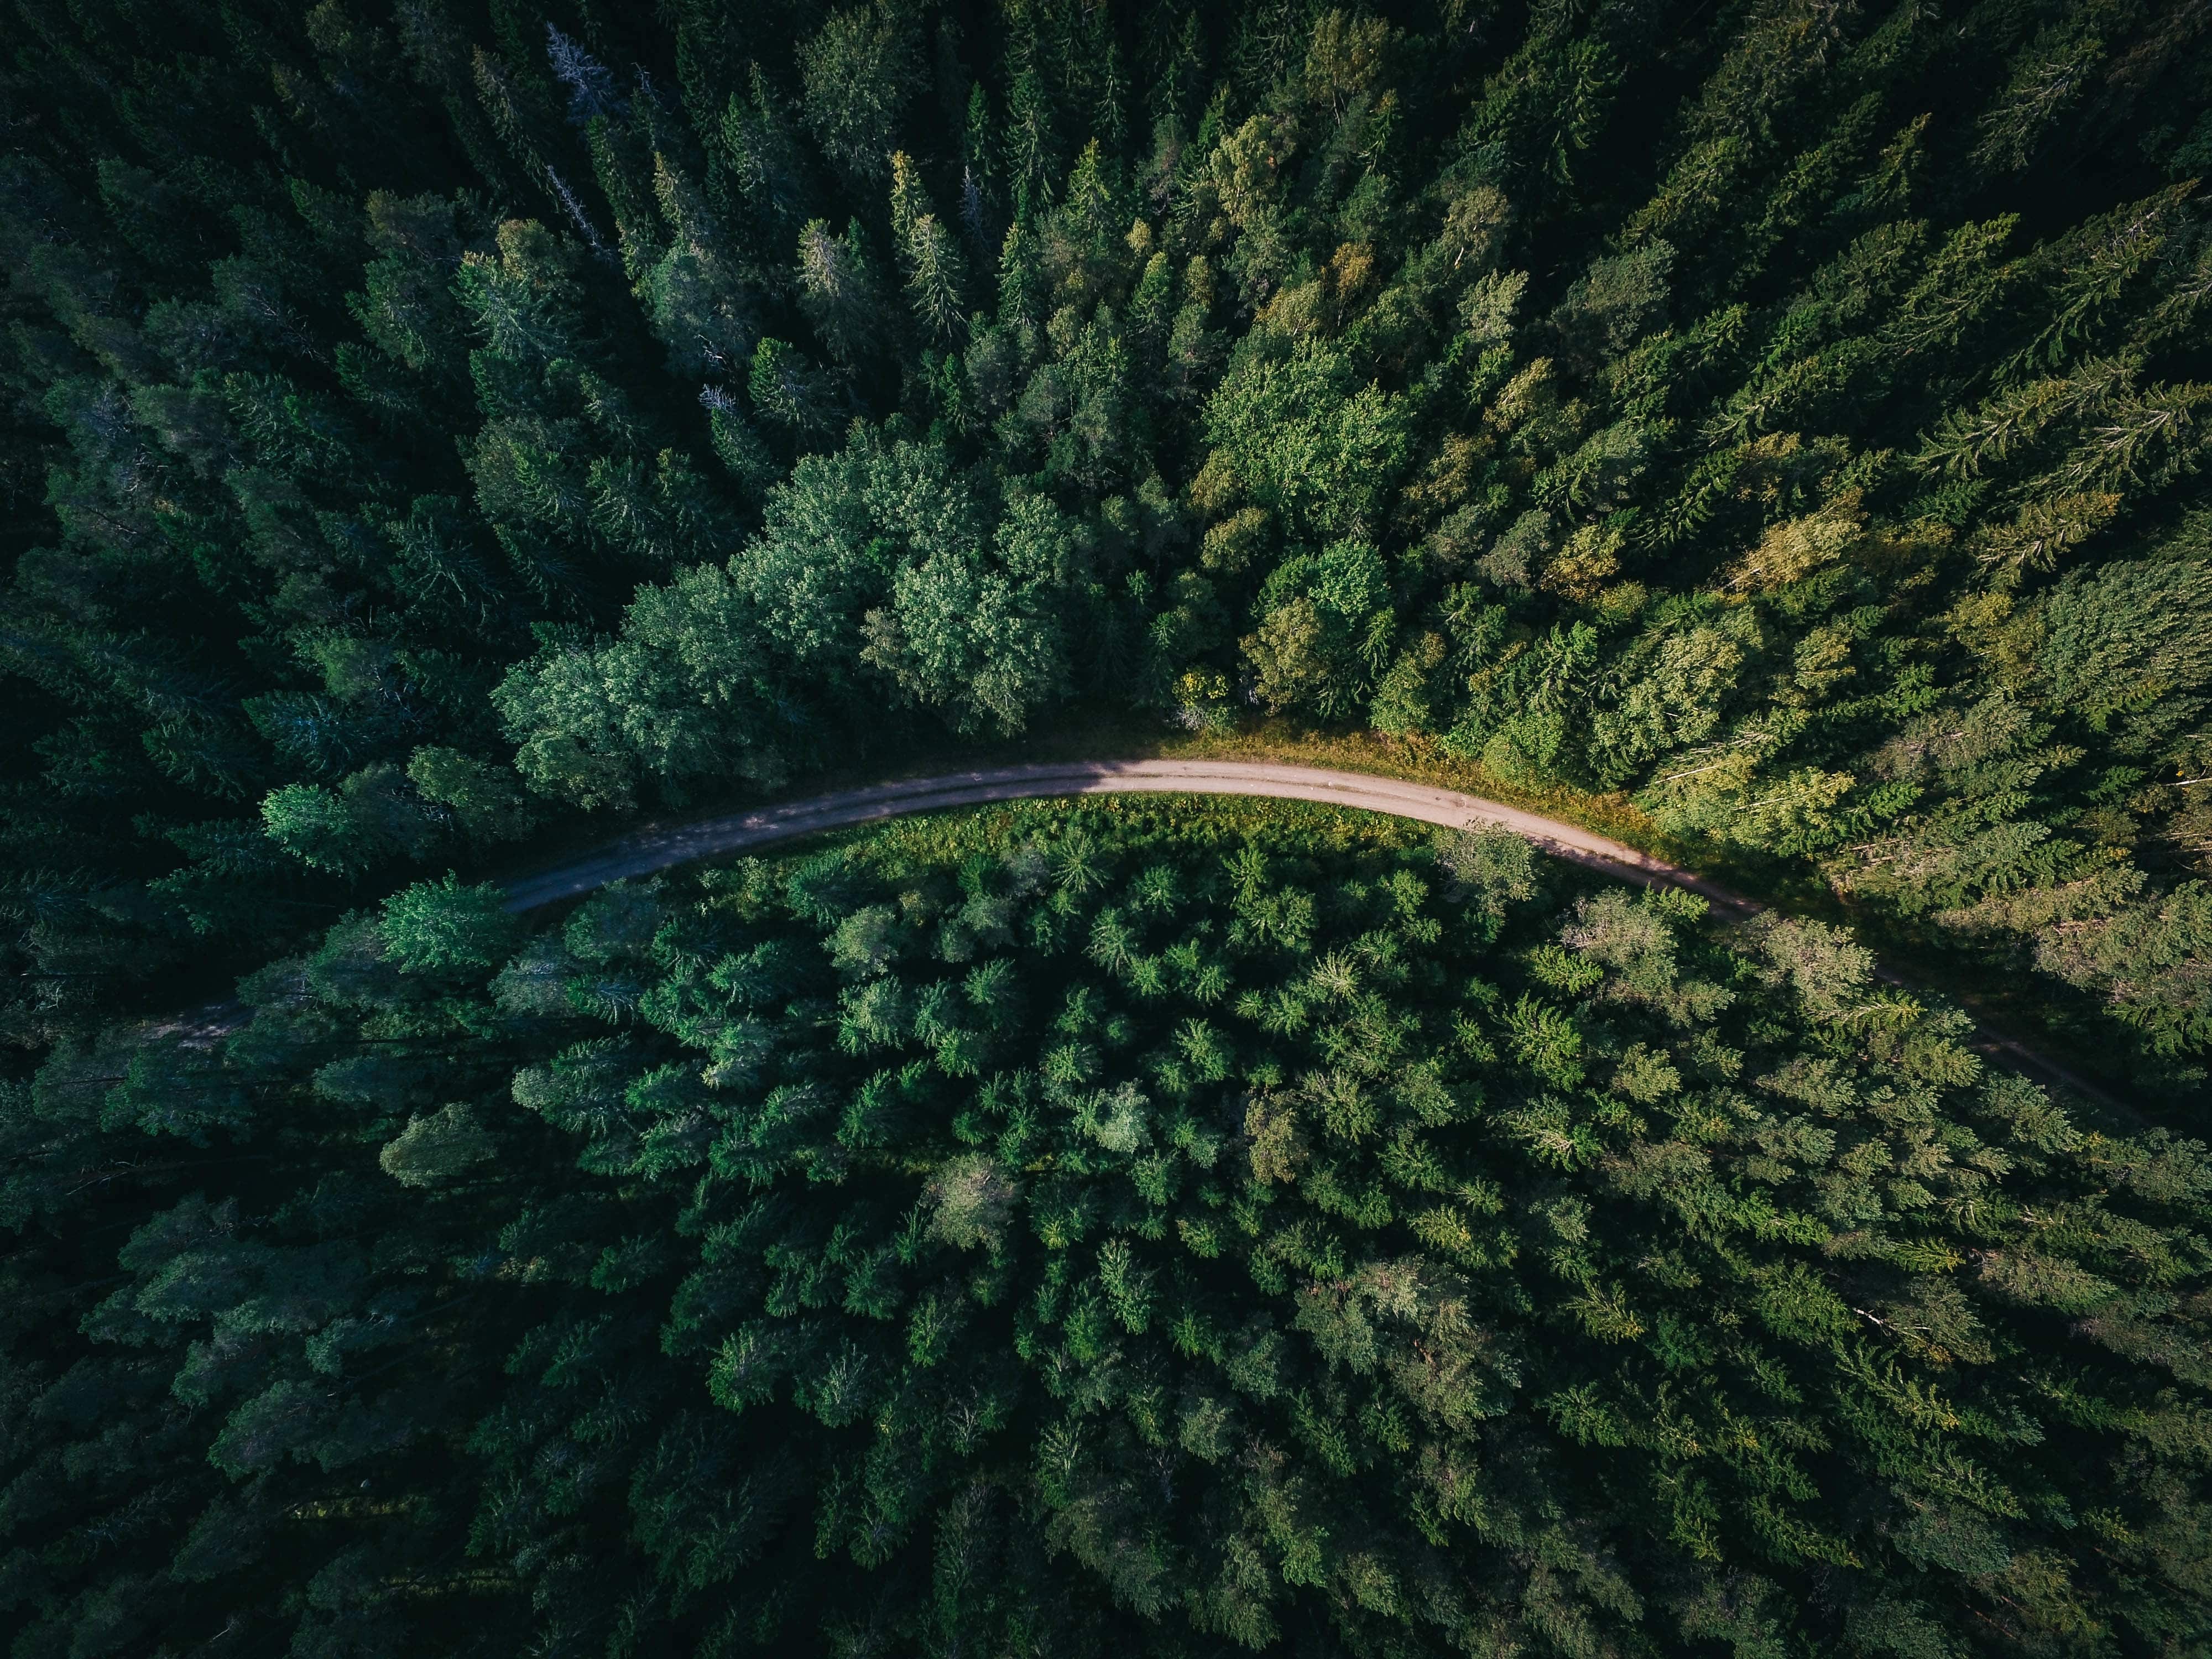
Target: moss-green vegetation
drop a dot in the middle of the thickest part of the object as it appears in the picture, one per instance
(1089, 1228)
(427, 426)
(433, 432)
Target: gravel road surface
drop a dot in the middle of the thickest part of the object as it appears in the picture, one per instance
(645, 851)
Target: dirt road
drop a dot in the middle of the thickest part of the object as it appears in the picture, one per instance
(647, 851)
(659, 849)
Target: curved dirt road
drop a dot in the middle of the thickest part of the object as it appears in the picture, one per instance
(657, 850)
(647, 851)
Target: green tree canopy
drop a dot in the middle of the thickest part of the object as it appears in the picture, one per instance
(1139, 1229)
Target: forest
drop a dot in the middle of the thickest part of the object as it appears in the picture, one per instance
(1179, 1230)
(433, 432)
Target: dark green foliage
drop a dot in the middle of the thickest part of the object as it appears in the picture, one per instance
(424, 423)
(1183, 1230)
(1715, 406)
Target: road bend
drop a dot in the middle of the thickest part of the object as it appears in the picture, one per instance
(644, 851)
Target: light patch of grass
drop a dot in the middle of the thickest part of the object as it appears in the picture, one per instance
(1122, 823)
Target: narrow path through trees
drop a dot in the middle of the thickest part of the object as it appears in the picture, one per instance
(645, 851)
(654, 849)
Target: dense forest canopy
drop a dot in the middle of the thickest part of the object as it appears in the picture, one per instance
(1071, 1230)
(432, 428)
(426, 423)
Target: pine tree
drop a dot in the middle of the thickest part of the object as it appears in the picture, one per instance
(426, 426)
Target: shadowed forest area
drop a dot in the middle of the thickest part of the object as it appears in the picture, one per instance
(435, 428)
(1181, 1229)
(424, 423)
